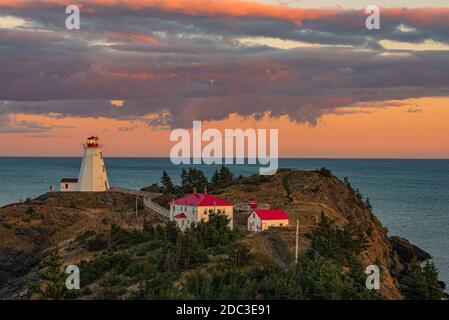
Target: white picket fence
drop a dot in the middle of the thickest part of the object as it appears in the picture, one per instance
(161, 211)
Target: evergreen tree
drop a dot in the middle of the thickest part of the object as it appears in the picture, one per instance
(342, 245)
(216, 180)
(194, 178)
(369, 205)
(54, 279)
(226, 175)
(222, 178)
(167, 184)
(422, 283)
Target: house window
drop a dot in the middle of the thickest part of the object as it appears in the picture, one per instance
(66, 185)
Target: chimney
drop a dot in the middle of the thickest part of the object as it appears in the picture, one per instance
(194, 190)
(205, 189)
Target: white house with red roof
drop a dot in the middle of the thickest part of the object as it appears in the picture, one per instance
(262, 219)
(193, 208)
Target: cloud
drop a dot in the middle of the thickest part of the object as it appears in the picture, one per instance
(415, 109)
(127, 129)
(203, 60)
(9, 124)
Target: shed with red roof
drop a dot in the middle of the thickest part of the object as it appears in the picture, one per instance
(261, 219)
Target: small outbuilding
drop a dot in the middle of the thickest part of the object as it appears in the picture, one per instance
(68, 184)
(262, 219)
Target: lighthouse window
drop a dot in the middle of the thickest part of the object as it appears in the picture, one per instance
(66, 185)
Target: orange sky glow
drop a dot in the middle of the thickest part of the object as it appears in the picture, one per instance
(406, 131)
(136, 69)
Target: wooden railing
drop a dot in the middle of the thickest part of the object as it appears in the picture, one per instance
(159, 210)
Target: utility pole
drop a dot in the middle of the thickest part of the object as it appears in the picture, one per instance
(297, 242)
(137, 197)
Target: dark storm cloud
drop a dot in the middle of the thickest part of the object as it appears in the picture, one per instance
(191, 64)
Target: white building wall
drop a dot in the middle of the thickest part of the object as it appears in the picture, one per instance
(191, 213)
(93, 176)
(195, 214)
(68, 186)
(205, 211)
(274, 223)
(255, 224)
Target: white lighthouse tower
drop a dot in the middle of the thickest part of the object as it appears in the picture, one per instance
(93, 177)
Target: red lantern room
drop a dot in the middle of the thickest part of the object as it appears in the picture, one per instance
(92, 142)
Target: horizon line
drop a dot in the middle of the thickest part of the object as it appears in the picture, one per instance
(281, 158)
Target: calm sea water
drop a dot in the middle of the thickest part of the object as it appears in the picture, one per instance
(411, 197)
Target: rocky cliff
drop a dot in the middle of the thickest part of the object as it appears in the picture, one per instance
(28, 230)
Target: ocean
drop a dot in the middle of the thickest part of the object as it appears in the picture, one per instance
(410, 197)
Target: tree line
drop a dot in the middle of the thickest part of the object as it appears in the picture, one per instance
(195, 179)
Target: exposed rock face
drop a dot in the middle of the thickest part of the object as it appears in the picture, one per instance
(407, 251)
(305, 194)
(27, 230)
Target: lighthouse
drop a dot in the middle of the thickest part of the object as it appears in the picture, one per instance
(93, 176)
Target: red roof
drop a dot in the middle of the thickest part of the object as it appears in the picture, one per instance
(182, 215)
(253, 205)
(69, 180)
(199, 199)
(272, 214)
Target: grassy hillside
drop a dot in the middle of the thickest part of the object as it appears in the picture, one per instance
(124, 256)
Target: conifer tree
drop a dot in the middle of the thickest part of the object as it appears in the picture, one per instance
(167, 184)
(421, 283)
(54, 278)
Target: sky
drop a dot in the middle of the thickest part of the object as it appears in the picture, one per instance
(138, 69)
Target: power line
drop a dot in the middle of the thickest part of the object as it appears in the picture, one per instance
(348, 277)
(390, 271)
